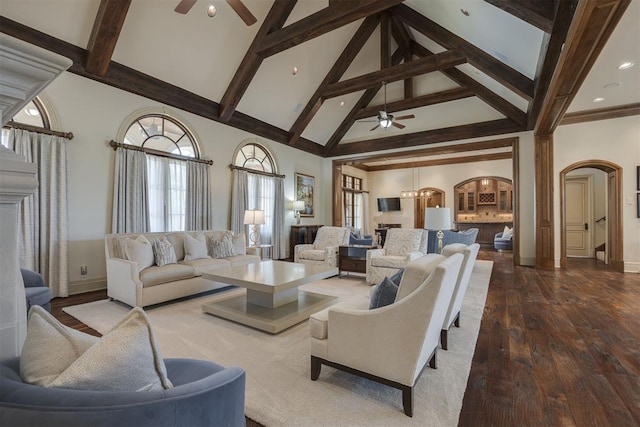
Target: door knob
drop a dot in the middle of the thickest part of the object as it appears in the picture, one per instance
(586, 226)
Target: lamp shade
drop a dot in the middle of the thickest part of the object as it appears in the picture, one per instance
(437, 219)
(298, 205)
(254, 217)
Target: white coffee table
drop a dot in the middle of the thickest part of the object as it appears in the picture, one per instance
(273, 301)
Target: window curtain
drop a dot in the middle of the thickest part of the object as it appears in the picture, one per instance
(43, 231)
(199, 207)
(130, 202)
(255, 191)
(365, 213)
(166, 192)
(239, 195)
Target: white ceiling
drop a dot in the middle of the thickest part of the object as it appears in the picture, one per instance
(202, 54)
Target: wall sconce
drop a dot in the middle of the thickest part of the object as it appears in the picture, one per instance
(485, 183)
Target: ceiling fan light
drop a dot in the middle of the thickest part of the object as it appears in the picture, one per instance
(211, 11)
(386, 122)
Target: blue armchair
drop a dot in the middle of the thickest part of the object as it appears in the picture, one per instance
(203, 394)
(468, 237)
(503, 243)
(36, 291)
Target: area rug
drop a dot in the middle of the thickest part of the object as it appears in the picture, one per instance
(278, 389)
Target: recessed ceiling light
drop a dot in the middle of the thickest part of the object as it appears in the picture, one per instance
(32, 112)
(598, 100)
(295, 71)
(625, 65)
(342, 103)
(211, 11)
(612, 85)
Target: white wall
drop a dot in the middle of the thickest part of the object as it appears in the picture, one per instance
(94, 112)
(617, 141)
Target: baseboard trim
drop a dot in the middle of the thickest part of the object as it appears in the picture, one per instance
(87, 285)
(632, 267)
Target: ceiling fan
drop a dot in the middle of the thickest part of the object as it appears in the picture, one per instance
(386, 120)
(245, 14)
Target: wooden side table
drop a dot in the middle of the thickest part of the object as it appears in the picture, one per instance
(353, 258)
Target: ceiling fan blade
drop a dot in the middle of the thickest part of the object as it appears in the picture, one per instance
(410, 116)
(377, 126)
(242, 11)
(398, 125)
(185, 6)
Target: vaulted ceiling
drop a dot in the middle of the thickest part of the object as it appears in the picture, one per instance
(462, 68)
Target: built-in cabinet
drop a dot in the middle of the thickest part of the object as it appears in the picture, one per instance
(467, 197)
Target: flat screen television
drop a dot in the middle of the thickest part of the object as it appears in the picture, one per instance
(388, 204)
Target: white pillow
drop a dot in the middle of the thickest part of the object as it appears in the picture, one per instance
(507, 232)
(140, 251)
(195, 247)
(47, 337)
(126, 358)
(222, 248)
(163, 252)
(239, 244)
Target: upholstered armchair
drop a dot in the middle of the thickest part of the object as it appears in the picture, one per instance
(400, 246)
(470, 254)
(37, 293)
(390, 344)
(324, 250)
(502, 242)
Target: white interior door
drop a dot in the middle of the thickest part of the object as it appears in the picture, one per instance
(578, 231)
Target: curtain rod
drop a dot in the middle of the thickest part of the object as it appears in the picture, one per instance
(159, 153)
(38, 129)
(256, 171)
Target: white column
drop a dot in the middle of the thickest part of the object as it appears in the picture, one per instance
(17, 181)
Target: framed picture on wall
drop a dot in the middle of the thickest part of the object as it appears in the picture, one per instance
(304, 187)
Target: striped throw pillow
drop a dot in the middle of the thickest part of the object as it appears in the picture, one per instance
(163, 252)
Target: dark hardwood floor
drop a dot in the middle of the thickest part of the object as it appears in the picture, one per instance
(555, 347)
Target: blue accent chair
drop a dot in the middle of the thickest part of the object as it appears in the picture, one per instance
(203, 394)
(36, 291)
(502, 243)
(468, 237)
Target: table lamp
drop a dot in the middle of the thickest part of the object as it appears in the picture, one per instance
(298, 206)
(255, 218)
(438, 219)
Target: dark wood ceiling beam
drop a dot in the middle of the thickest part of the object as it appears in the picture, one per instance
(592, 24)
(420, 66)
(130, 80)
(385, 41)
(454, 133)
(404, 39)
(104, 35)
(364, 100)
(421, 101)
(507, 76)
(336, 15)
(601, 114)
(549, 54)
(277, 16)
(537, 13)
(433, 151)
(440, 162)
(337, 70)
(485, 94)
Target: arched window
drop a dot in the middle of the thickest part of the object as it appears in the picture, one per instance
(256, 157)
(161, 133)
(33, 114)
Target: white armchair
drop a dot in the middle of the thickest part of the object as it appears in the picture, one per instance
(400, 246)
(470, 254)
(324, 250)
(390, 344)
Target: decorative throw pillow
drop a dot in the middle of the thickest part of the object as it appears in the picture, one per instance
(384, 294)
(239, 244)
(163, 252)
(195, 247)
(507, 232)
(46, 337)
(397, 277)
(140, 251)
(222, 248)
(126, 358)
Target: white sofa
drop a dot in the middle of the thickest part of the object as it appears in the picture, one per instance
(390, 344)
(128, 283)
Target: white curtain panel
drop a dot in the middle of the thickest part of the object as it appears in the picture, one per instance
(261, 195)
(199, 207)
(239, 195)
(278, 220)
(365, 213)
(43, 215)
(166, 192)
(130, 201)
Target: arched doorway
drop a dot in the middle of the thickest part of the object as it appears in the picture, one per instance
(428, 197)
(614, 239)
